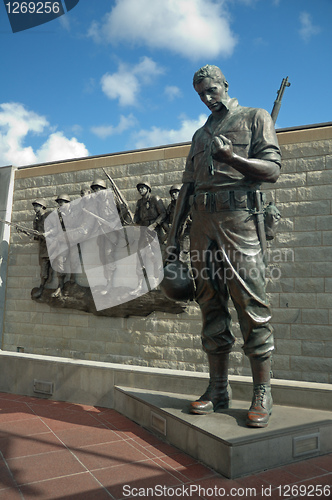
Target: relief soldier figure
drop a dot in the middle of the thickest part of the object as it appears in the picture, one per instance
(184, 235)
(150, 212)
(230, 156)
(41, 213)
(63, 260)
(108, 240)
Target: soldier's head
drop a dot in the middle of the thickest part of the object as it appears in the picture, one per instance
(39, 205)
(98, 185)
(85, 192)
(174, 191)
(211, 86)
(143, 188)
(62, 199)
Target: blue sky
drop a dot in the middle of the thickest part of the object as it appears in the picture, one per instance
(116, 75)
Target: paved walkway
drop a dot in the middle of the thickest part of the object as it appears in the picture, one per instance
(54, 450)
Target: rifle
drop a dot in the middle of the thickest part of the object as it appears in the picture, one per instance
(277, 103)
(127, 217)
(258, 211)
(23, 229)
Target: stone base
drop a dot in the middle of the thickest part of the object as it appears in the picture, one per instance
(222, 440)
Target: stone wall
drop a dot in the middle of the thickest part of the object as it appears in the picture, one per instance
(300, 267)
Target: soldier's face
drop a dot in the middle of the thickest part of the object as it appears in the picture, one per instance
(142, 190)
(174, 195)
(37, 208)
(212, 93)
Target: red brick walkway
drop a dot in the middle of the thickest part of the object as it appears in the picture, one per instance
(53, 450)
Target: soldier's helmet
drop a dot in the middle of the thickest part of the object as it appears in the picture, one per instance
(176, 187)
(40, 201)
(143, 183)
(99, 182)
(64, 197)
(177, 283)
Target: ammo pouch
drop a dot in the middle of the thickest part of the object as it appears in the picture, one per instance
(239, 200)
(271, 219)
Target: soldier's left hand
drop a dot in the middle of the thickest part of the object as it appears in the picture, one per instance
(222, 148)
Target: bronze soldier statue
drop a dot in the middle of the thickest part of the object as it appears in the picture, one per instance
(41, 213)
(230, 156)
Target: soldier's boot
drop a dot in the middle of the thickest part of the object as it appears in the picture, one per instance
(40, 290)
(72, 278)
(139, 287)
(109, 282)
(261, 406)
(218, 393)
(61, 284)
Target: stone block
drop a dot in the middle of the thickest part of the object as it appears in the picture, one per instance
(312, 254)
(315, 316)
(288, 166)
(287, 315)
(78, 319)
(296, 300)
(309, 285)
(327, 238)
(309, 164)
(321, 192)
(321, 269)
(305, 223)
(314, 349)
(286, 195)
(311, 364)
(292, 180)
(328, 285)
(299, 238)
(281, 362)
(310, 332)
(319, 177)
(329, 161)
(287, 347)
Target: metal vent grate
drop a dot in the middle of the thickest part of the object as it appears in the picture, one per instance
(43, 387)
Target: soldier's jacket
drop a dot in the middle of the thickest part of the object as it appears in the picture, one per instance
(149, 209)
(38, 225)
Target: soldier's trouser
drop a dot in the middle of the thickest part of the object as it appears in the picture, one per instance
(227, 261)
(107, 244)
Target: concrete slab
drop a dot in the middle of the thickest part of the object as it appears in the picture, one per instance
(222, 440)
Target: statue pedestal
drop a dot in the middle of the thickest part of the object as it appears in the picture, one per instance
(222, 440)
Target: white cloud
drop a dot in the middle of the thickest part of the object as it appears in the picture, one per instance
(308, 29)
(16, 123)
(157, 136)
(192, 28)
(58, 147)
(104, 131)
(172, 92)
(126, 83)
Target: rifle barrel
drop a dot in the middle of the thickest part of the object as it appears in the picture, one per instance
(277, 103)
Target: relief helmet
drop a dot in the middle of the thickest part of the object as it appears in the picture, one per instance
(99, 182)
(176, 187)
(40, 201)
(63, 197)
(178, 283)
(143, 183)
